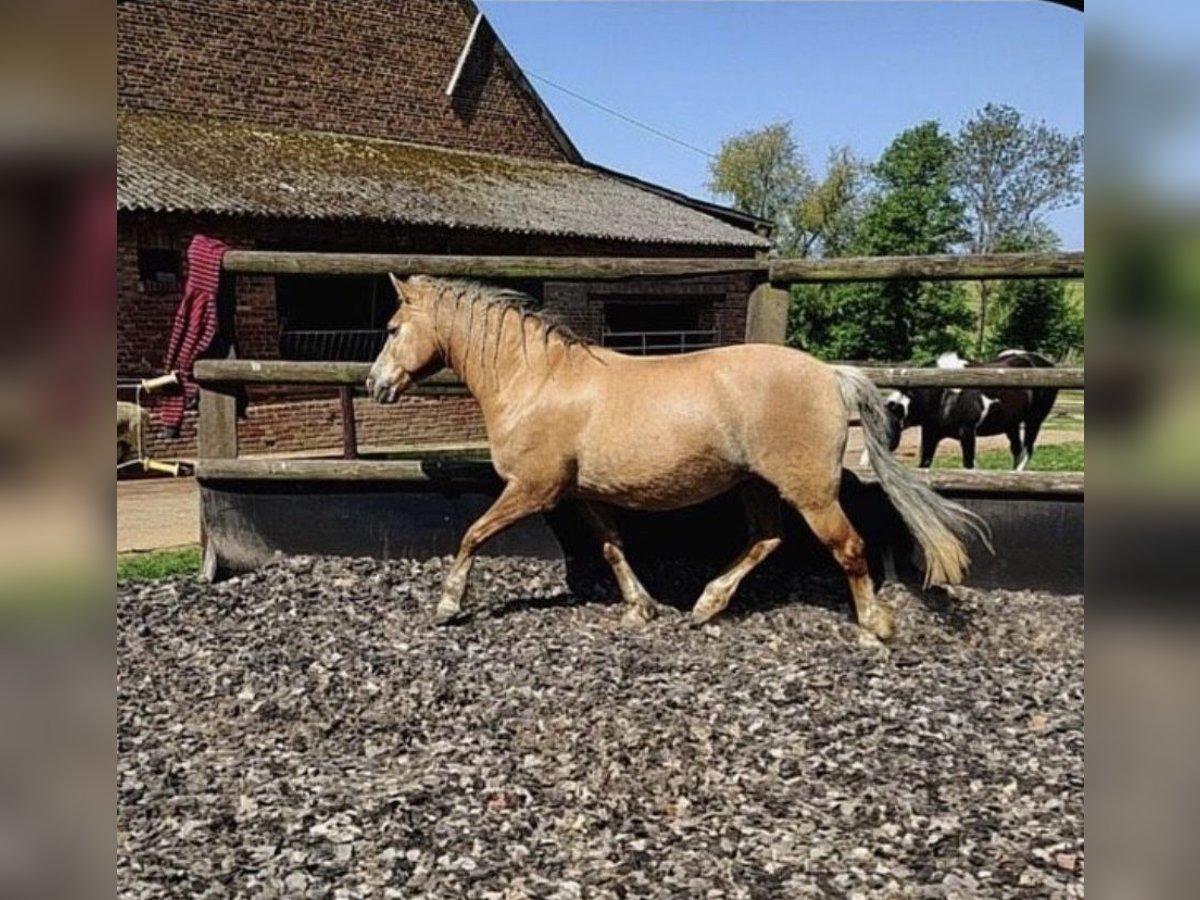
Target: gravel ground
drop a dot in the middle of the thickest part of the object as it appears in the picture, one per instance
(304, 731)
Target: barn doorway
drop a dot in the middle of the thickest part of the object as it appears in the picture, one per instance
(333, 317)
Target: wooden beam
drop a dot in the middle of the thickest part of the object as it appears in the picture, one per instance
(927, 268)
(906, 376)
(280, 371)
(216, 428)
(311, 470)
(248, 371)
(977, 481)
(349, 425)
(415, 470)
(780, 271)
(767, 315)
(565, 267)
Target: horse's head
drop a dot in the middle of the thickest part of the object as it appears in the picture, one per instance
(412, 349)
(898, 406)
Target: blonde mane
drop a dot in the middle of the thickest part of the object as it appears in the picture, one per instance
(482, 299)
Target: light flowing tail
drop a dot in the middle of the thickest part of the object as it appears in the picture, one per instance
(939, 525)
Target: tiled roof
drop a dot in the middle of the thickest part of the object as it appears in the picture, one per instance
(170, 164)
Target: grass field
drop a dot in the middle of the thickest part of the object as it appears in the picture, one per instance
(158, 564)
(1050, 458)
(1063, 422)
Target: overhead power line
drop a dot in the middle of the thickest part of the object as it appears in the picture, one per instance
(620, 115)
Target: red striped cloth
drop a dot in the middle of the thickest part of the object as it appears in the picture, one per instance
(194, 328)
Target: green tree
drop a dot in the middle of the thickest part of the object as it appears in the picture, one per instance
(764, 173)
(912, 210)
(1009, 173)
(826, 216)
(1036, 315)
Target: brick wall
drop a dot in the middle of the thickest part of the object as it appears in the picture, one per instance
(371, 67)
(315, 426)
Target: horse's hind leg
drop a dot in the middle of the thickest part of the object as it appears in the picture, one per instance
(1035, 418)
(966, 437)
(765, 534)
(1032, 428)
(1014, 445)
(640, 607)
(515, 502)
(834, 530)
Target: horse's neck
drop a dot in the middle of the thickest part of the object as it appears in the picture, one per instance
(485, 349)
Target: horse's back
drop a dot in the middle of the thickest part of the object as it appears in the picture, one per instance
(711, 417)
(783, 407)
(744, 382)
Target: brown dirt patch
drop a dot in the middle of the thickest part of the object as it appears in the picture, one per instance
(154, 514)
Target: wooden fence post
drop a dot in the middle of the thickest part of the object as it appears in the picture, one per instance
(349, 426)
(216, 429)
(216, 438)
(767, 315)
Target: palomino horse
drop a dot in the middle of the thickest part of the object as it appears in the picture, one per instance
(568, 420)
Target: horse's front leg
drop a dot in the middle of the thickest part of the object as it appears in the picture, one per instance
(516, 502)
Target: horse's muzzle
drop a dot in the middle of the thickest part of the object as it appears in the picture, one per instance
(386, 392)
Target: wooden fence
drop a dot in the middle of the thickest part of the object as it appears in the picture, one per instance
(777, 271)
(766, 323)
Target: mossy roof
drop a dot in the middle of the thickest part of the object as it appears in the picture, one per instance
(168, 163)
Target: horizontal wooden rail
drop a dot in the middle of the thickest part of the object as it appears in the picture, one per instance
(778, 271)
(279, 371)
(571, 267)
(249, 371)
(927, 268)
(981, 481)
(409, 470)
(911, 377)
(312, 470)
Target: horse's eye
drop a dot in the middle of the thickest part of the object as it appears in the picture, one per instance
(392, 329)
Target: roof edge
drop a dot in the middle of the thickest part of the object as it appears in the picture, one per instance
(727, 214)
(523, 84)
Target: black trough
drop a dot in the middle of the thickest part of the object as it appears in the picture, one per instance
(1038, 537)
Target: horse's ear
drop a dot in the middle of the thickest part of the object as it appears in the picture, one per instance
(398, 284)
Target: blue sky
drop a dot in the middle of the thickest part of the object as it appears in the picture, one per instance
(842, 72)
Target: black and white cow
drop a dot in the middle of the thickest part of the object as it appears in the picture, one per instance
(964, 413)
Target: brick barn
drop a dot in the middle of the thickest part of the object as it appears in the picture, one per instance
(329, 126)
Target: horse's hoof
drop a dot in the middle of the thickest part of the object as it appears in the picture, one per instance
(882, 623)
(869, 640)
(706, 609)
(638, 615)
(448, 615)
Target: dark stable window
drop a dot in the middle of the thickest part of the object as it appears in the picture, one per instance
(333, 317)
(529, 287)
(158, 267)
(642, 325)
